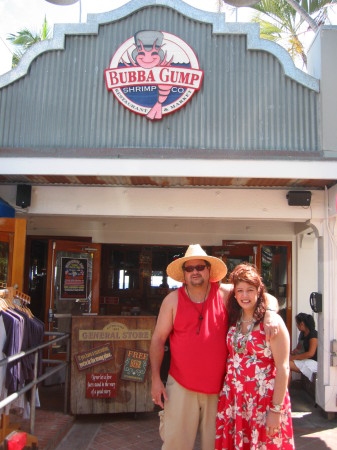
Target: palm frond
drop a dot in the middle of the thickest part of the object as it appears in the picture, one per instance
(268, 30)
(17, 55)
(314, 6)
(45, 32)
(278, 11)
(24, 39)
(274, 8)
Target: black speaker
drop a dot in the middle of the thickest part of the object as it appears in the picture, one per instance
(299, 198)
(23, 195)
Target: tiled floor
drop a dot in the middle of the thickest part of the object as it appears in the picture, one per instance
(58, 431)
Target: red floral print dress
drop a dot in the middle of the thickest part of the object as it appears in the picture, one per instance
(246, 397)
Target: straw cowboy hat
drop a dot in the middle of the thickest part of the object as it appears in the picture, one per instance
(218, 267)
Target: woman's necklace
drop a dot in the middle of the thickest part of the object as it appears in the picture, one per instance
(243, 341)
(201, 317)
(246, 321)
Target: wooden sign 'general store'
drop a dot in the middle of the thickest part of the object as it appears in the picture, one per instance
(115, 331)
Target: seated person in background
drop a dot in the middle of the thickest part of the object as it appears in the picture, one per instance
(299, 347)
(303, 359)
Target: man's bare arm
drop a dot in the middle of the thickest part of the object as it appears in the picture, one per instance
(271, 322)
(225, 290)
(272, 303)
(163, 329)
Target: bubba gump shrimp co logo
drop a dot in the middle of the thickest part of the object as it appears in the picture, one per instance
(154, 73)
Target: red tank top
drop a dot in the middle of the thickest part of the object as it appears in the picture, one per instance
(198, 361)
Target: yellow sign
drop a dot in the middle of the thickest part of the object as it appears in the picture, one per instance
(115, 331)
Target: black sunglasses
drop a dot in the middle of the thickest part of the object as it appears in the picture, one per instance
(199, 268)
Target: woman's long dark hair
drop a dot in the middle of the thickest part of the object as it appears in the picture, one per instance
(307, 319)
(247, 273)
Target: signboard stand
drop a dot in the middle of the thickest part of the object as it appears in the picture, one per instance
(110, 370)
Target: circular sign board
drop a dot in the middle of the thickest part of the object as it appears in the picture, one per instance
(154, 73)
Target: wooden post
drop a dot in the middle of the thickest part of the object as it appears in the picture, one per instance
(16, 229)
(19, 253)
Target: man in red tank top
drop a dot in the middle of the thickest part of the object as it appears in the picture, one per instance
(194, 317)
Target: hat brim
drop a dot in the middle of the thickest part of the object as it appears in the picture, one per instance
(218, 268)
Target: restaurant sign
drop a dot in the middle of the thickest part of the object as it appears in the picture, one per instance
(115, 331)
(154, 73)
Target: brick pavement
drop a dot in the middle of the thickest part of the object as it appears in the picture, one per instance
(58, 431)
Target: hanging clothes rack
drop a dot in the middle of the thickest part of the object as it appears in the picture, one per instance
(13, 298)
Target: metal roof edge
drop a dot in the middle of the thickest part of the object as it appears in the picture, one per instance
(220, 26)
(217, 19)
(254, 42)
(164, 153)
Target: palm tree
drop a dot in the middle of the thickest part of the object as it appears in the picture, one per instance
(304, 13)
(280, 23)
(25, 38)
(285, 21)
(303, 7)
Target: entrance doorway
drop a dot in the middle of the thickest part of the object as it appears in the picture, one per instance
(62, 278)
(72, 287)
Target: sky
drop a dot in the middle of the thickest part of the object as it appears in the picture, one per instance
(18, 14)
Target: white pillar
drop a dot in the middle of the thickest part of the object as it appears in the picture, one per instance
(326, 385)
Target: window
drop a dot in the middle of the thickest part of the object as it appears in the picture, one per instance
(120, 268)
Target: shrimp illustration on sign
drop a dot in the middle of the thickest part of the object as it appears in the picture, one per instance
(154, 73)
(148, 54)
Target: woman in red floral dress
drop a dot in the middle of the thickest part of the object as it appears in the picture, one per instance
(254, 407)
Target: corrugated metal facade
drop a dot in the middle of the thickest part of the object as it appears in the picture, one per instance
(62, 104)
